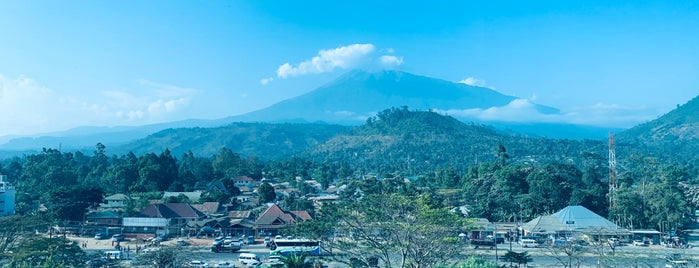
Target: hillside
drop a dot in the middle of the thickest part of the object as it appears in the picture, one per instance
(399, 139)
(673, 137)
(263, 140)
(679, 126)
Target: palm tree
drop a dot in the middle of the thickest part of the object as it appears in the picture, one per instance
(294, 260)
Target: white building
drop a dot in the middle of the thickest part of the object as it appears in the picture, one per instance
(7, 197)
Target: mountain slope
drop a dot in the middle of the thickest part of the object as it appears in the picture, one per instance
(357, 95)
(679, 126)
(421, 140)
(266, 141)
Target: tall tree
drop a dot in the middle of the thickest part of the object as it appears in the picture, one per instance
(71, 202)
(266, 193)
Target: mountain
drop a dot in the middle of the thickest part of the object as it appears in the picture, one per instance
(263, 140)
(355, 96)
(348, 100)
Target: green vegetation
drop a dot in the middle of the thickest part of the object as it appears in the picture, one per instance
(417, 165)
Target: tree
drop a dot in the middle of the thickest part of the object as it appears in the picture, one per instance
(266, 193)
(296, 261)
(386, 226)
(164, 257)
(517, 257)
(71, 202)
(14, 228)
(38, 251)
(227, 164)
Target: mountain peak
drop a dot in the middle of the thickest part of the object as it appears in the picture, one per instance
(358, 94)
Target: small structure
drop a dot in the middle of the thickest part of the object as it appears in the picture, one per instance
(7, 197)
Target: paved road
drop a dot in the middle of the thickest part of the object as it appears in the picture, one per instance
(624, 256)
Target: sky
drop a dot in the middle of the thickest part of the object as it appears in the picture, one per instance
(65, 64)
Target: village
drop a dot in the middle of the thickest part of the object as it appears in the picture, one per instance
(197, 226)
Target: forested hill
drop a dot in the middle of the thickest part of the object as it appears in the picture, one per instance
(674, 136)
(262, 140)
(418, 141)
(678, 126)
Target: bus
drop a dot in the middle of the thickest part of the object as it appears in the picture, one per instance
(294, 246)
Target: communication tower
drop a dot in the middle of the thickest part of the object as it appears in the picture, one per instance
(612, 170)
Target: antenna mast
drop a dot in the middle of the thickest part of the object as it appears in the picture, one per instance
(612, 170)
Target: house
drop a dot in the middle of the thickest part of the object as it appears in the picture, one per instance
(114, 202)
(244, 181)
(7, 197)
(274, 219)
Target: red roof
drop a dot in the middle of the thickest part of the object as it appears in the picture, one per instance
(171, 210)
(301, 215)
(275, 217)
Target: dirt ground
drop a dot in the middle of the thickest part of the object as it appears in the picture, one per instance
(90, 243)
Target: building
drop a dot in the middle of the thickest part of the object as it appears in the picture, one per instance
(162, 219)
(274, 219)
(115, 202)
(7, 197)
(575, 220)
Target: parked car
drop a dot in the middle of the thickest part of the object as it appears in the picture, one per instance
(223, 264)
(641, 243)
(529, 243)
(229, 239)
(198, 264)
(275, 259)
(99, 236)
(118, 237)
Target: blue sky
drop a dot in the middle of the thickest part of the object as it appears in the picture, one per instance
(65, 64)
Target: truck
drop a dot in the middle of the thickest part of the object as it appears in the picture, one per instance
(222, 245)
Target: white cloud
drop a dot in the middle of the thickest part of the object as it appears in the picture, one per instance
(345, 57)
(523, 110)
(30, 108)
(328, 60)
(267, 80)
(390, 61)
(472, 81)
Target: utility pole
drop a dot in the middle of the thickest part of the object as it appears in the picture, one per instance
(612, 170)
